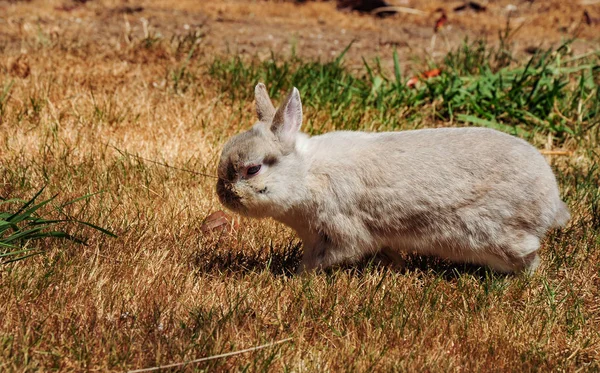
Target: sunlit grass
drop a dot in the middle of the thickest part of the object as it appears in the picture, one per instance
(164, 292)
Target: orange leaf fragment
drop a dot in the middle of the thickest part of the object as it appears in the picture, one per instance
(432, 73)
(440, 22)
(412, 82)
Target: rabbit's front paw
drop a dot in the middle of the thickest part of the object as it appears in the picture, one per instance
(391, 258)
(309, 263)
(314, 257)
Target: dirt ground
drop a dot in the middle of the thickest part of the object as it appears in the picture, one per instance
(311, 29)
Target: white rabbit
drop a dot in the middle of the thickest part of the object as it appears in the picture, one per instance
(465, 194)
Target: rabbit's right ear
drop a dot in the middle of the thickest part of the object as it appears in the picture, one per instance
(264, 107)
(288, 118)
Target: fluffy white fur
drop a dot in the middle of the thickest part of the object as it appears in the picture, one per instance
(465, 194)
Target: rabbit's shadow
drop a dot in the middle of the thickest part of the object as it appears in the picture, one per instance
(280, 261)
(284, 261)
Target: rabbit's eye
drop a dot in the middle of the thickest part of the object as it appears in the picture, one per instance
(253, 170)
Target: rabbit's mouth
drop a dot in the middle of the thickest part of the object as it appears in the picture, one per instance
(229, 197)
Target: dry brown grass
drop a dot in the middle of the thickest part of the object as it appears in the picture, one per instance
(163, 292)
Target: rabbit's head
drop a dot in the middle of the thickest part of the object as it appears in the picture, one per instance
(260, 169)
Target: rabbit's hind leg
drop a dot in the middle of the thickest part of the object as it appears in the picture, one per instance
(518, 254)
(522, 252)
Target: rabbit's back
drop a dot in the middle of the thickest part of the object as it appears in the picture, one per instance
(432, 190)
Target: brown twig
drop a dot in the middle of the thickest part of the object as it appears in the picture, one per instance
(398, 9)
(233, 353)
(556, 152)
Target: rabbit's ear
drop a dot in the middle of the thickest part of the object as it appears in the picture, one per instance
(288, 118)
(264, 107)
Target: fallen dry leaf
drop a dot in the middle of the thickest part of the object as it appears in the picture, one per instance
(216, 221)
(532, 49)
(412, 82)
(589, 20)
(20, 67)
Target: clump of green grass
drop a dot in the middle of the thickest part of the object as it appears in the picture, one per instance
(538, 96)
(21, 229)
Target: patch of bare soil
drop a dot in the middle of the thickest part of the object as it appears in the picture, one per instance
(310, 29)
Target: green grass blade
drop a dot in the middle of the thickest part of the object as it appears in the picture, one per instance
(103, 230)
(5, 225)
(22, 235)
(81, 198)
(26, 215)
(27, 204)
(397, 73)
(12, 200)
(3, 244)
(12, 253)
(21, 258)
(341, 56)
(56, 234)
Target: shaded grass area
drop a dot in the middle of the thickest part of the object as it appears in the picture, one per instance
(163, 292)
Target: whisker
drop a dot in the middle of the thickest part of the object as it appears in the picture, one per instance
(159, 163)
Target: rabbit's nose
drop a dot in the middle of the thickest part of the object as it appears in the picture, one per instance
(227, 194)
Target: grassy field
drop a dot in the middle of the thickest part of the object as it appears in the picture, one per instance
(83, 118)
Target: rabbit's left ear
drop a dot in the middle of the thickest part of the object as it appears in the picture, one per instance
(264, 108)
(288, 118)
